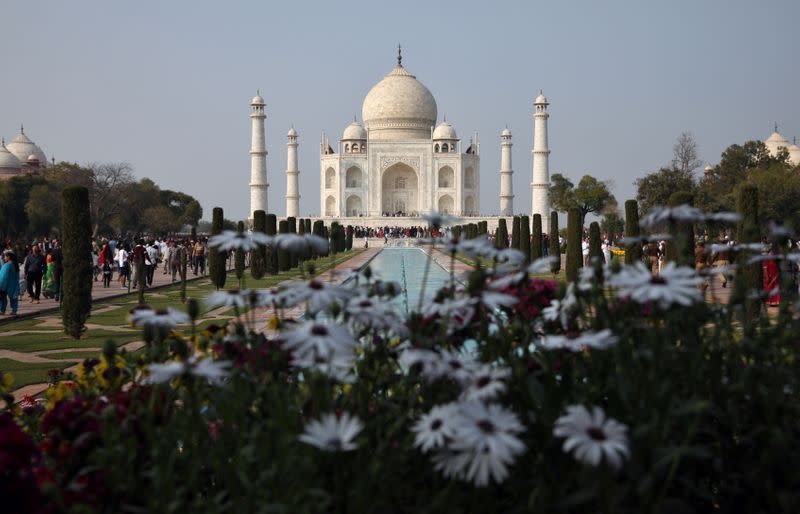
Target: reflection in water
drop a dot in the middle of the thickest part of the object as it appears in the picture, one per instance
(406, 266)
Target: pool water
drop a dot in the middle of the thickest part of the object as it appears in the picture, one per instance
(406, 266)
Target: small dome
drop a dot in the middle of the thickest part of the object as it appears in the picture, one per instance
(774, 142)
(32, 157)
(354, 131)
(399, 107)
(444, 131)
(505, 132)
(794, 154)
(292, 132)
(8, 160)
(708, 169)
(21, 146)
(540, 100)
(257, 100)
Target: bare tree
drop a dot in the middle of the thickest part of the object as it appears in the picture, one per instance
(108, 181)
(684, 153)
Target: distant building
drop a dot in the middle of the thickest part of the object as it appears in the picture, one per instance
(776, 141)
(20, 156)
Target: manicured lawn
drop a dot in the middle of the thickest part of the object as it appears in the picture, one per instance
(110, 321)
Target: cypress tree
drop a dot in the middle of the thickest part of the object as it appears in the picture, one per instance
(748, 276)
(282, 255)
(318, 231)
(501, 234)
(472, 231)
(140, 272)
(301, 229)
(555, 247)
(633, 252)
(258, 257)
(293, 256)
(574, 239)
(308, 225)
(595, 250)
(271, 258)
(349, 243)
(76, 232)
(525, 237)
(681, 248)
(515, 228)
(536, 238)
(216, 258)
(184, 261)
(238, 259)
(483, 227)
(194, 233)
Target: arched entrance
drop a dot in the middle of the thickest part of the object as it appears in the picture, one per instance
(352, 177)
(353, 205)
(469, 206)
(330, 206)
(447, 177)
(399, 191)
(446, 204)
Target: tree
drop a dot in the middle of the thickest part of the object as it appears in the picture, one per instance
(778, 194)
(108, 180)
(590, 195)
(501, 234)
(612, 223)
(525, 237)
(42, 215)
(574, 247)
(76, 286)
(595, 249)
(159, 219)
(349, 242)
(633, 251)
(555, 246)
(282, 255)
(272, 251)
(684, 154)
(655, 188)
(681, 247)
(293, 256)
(536, 238)
(216, 257)
(515, 228)
(258, 257)
(238, 258)
(748, 276)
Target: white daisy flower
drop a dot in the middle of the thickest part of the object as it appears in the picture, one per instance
(238, 298)
(367, 311)
(599, 340)
(338, 366)
(451, 464)
(542, 265)
(457, 312)
(277, 296)
(213, 371)
(333, 434)
(319, 295)
(487, 434)
(674, 285)
(439, 219)
(494, 300)
(435, 428)
(724, 217)
(232, 240)
(431, 365)
(164, 318)
(296, 243)
(318, 339)
(590, 436)
(510, 256)
(486, 382)
(680, 214)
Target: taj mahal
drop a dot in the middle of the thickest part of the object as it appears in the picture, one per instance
(400, 162)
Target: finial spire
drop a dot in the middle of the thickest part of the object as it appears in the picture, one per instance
(355, 120)
(3, 141)
(399, 55)
(444, 118)
(21, 128)
(258, 92)
(776, 126)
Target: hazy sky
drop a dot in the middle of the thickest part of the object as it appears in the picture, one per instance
(166, 85)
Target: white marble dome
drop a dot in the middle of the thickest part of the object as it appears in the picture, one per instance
(292, 132)
(444, 131)
(257, 100)
(354, 131)
(21, 146)
(541, 99)
(505, 132)
(8, 160)
(794, 154)
(399, 107)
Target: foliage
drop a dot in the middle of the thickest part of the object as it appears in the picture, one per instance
(555, 247)
(574, 239)
(349, 241)
(515, 228)
(681, 248)
(259, 262)
(654, 189)
(595, 249)
(272, 251)
(77, 260)
(612, 224)
(590, 195)
(536, 238)
(748, 276)
(778, 193)
(282, 256)
(633, 251)
(501, 234)
(525, 237)
(217, 257)
(292, 227)
(239, 258)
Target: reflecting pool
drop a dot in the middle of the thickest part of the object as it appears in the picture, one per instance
(406, 266)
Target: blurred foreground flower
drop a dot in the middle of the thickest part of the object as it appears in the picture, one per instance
(165, 318)
(674, 285)
(332, 433)
(232, 240)
(578, 341)
(213, 371)
(590, 436)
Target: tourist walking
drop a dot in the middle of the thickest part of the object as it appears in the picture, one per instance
(58, 268)
(49, 282)
(771, 284)
(34, 267)
(123, 262)
(9, 283)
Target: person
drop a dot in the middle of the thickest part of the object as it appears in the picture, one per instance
(49, 282)
(153, 254)
(33, 267)
(771, 284)
(701, 261)
(139, 256)
(606, 248)
(58, 268)
(9, 283)
(123, 262)
(720, 259)
(95, 262)
(105, 262)
(197, 258)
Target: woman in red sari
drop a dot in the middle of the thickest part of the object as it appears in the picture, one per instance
(771, 281)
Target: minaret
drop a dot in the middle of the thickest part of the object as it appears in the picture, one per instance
(506, 175)
(292, 186)
(258, 158)
(541, 163)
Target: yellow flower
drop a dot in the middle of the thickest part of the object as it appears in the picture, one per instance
(6, 380)
(347, 388)
(274, 323)
(114, 377)
(57, 393)
(394, 341)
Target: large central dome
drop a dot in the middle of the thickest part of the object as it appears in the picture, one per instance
(399, 107)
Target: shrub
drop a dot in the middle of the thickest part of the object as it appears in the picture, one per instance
(555, 247)
(283, 257)
(525, 237)
(515, 232)
(501, 234)
(574, 240)
(76, 232)
(748, 276)
(536, 238)
(633, 251)
(239, 258)
(595, 248)
(272, 252)
(217, 258)
(258, 257)
(681, 249)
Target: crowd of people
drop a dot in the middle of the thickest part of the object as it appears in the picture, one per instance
(36, 269)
